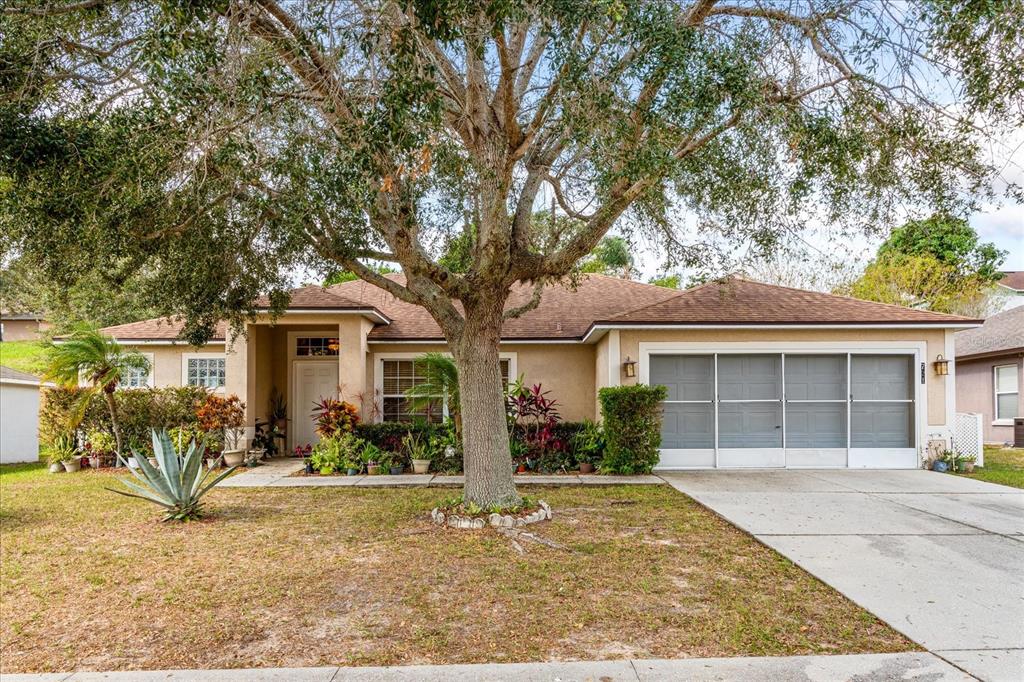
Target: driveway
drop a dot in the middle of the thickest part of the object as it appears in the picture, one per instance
(938, 557)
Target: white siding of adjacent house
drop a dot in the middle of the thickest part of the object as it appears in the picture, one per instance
(19, 423)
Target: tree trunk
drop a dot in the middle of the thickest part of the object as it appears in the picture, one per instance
(112, 407)
(487, 459)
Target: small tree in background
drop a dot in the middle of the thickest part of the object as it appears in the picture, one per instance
(936, 263)
(91, 356)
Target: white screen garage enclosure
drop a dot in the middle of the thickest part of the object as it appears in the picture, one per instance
(805, 409)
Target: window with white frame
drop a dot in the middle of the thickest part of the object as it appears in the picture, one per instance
(399, 375)
(135, 377)
(1007, 392)
(316, 346)
(205, 371)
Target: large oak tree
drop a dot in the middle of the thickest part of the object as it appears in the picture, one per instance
(224, 143)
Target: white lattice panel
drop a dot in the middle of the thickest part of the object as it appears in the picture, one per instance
(967, 436)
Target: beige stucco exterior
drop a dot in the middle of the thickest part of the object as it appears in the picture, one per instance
(22, 330)
(262, 360)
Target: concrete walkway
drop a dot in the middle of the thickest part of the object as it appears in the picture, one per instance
(938, 557)
(863, 668)
(277, 473)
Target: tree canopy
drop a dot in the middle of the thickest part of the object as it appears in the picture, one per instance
(951, 241)
(224, 144)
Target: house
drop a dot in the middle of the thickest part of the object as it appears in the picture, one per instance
(758, 375)
(1010, 290)
(21, 326)
(19, 416)
(990, 372)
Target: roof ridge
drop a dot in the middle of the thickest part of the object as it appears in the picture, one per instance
(677, 294)
(850, 298)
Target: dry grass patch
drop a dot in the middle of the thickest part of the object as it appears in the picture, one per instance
(303, 577)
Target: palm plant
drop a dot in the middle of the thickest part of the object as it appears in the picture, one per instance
(179, 481)
(90, 355)
(441, 381)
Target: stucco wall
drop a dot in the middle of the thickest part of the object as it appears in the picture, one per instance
(975, 392)
(567, 370)
(19, 423)
(166, 361)
(23, 330)
(935, 340)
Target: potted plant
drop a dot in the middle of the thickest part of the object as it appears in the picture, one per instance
(965, 463)
(418, 450)
(221, 419)
(308, 465)
(395, 466)
(101, 446)
(61, 454)
(372, 467)
(588, 446)
(352, 468)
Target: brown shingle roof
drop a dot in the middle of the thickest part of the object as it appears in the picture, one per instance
(569, 313)
(1000, 333)
(17, 376)
(157, 329)
(563, 313)
(735, 300)
(1013, 280)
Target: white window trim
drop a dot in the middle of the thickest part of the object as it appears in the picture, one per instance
(293, 342)
(152, 372)
(996, 420)
(378, 371)
(185, 357)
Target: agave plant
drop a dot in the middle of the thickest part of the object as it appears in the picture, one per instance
(178, 483)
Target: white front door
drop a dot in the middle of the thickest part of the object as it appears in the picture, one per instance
(311, 381)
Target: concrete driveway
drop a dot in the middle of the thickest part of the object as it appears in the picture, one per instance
(938, 557)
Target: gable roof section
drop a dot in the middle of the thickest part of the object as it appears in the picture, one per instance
(1012, 280)
(564, 313)
(738, 301)
(14, 376)
(1002, 333)
(158, 329)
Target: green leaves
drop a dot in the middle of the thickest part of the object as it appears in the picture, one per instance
(178, 482)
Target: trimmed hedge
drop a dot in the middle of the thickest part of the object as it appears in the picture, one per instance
(632, 427)
(140, 409)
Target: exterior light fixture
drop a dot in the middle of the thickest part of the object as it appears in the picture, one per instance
(941, 366)
(333, 345)
(629, 367)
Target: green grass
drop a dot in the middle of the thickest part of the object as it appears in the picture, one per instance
(90, 580)
(25, 356)
(1002, 465)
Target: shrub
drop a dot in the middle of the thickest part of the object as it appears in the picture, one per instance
(632, 427)
(588, 443)
(333, 416)
(140, 410)
(178, 485)
(343, 450)
(389, 435)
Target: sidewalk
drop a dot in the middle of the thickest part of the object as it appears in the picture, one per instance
(277, 473)
(863, 667)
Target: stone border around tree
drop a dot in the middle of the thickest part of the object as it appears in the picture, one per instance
(492, 520)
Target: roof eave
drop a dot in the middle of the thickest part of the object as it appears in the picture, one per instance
(984, 355)
(605, 325)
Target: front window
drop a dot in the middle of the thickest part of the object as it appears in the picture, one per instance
(208, 372)
(137, 378)
(1007, 392)
(400, 376)
(316, 346)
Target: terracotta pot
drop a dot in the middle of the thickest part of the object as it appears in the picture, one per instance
(233, 458)
(420, 466)
(967, 467)
(521, 469)
(72, 465)
(586, 468)
(373, 469)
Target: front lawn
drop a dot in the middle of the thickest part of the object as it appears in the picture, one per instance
(24, 356)
(305, 577)
(1002, 465)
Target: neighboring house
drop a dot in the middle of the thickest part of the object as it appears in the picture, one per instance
(1010, 290)
(758, 375)
(990, 373)
(19, 416)
(21, 326)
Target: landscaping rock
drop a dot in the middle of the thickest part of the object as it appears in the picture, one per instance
(494, 520)
(478, 523)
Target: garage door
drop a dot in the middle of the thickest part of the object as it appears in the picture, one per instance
(787, 410)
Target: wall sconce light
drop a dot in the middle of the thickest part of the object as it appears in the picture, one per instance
(941, 366)
(333, 345)
(629, 367)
